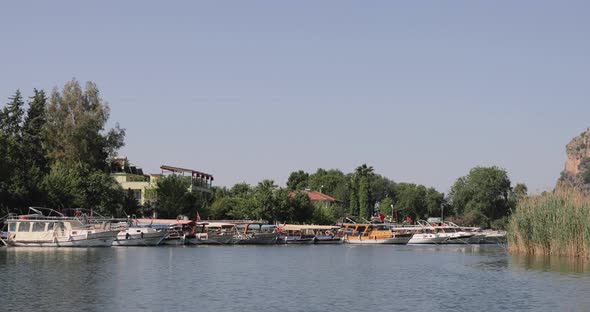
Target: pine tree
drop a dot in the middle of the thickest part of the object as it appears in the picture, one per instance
(34, 166)
(11, 116)
(11, 120)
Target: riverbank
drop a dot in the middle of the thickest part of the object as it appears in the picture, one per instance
(556, 223)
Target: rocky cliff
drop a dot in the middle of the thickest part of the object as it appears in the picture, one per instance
(577, 164)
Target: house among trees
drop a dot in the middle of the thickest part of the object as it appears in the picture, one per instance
(143, 186)
(317, 198)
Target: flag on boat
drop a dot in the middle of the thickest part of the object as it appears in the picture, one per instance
(198, 218)
(381, 217)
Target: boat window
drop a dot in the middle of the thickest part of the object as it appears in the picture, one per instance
(38, 226)
(24, 227)
(50, 226)
(12, 227)
(59, 226)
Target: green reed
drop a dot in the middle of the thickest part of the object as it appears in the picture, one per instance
(556, 223)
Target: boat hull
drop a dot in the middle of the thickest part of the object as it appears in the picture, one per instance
(100, 239)
(173, 241)
(460, 239)
(214, 239)
(370, 241)
(427, 239)
(256, 239)
(147, 239)
(328, 240)
(298, 240)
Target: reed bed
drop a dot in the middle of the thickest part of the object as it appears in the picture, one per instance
(556, 223)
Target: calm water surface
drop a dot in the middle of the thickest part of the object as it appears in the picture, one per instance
(289, 278)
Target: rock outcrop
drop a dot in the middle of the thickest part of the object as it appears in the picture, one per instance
(577, 164)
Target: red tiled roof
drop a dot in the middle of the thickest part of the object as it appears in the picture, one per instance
(317, 196)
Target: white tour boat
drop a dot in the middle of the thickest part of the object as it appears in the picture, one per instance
(56, 230)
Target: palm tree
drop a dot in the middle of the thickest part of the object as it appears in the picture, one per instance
(364, 170)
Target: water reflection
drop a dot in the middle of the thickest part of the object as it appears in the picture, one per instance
(62, 277)
(302, 278)
(566, 265)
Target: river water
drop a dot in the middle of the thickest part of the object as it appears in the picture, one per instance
(289, 278)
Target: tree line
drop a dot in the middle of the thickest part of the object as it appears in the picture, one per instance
(55, 152)
(484, 197)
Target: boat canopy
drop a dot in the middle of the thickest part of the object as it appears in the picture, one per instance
(300, 227)
(168, 222)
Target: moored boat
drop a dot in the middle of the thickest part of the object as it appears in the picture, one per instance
(54, 229)
(179, 231)
(255, 234)
(373, 234)
(295, 234)
(139, 236)
(217, 233)
(309, 234)
(440, 233)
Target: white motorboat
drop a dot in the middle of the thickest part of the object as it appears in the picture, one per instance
(442, 233)
(139, 236)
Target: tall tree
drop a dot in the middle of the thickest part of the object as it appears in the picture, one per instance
(11, 117)
(353, 208)
(482, 195)
(11, 121)
(265, 201)
(172, 196)
(76, 120)
(4, 171)
(33, 129)
(298, 180)
(34, 165)
(410, 200)
(364, 174)
(434, 202)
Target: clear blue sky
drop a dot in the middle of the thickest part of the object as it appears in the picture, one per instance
(245, 90)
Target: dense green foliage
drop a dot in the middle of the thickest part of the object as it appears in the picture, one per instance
(483, 196)
(584, 168)
(417, 201)
(54, 153)
(360, 194)
(264, 201)
(556, 223)
(174, 197)
(298, 180)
